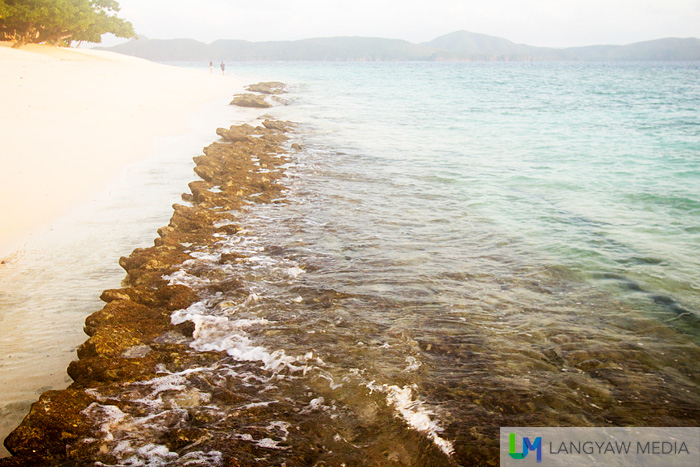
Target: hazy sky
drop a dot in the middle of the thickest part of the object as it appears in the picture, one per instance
(555, 23)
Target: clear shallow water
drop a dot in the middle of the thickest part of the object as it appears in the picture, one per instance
(462, 247)
(591, 167)
(532, 228)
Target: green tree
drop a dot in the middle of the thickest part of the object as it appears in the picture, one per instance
(4, 9)
(60, 22)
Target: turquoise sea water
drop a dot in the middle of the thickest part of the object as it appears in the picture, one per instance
(592, 168)
(474, 245)
(461, 246)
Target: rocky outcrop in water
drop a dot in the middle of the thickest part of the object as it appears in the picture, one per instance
(133, 338)
(267, 87)
(250, 100)
(262, 91)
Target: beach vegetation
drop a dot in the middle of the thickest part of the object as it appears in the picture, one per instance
(4, 9)
(61, 22)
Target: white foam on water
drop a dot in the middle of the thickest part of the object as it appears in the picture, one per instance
(254, 405)
(202, 458)
(414, 412)
(331, 382)
(224, 223)
(229, 241)
(150, 454)
(280, 430)
(279, 425)
(295, 272)
(126, 435)
(182, 277)
(222, 334)
(413, 364)
(315, 405)
(110, 418)
(252, 298)
(203, 256)
(260, 260)
(177, 385)
(270, 444)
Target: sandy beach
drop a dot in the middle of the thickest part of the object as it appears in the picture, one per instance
(92, 140)
(74, 118)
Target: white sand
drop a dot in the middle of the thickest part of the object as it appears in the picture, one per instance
(72, 119)
(77, 133)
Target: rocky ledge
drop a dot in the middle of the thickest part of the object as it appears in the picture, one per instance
(260, 100)
(132, 338)
(268, 87)
(250, 100)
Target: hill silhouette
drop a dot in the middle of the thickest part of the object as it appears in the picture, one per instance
(456, 46)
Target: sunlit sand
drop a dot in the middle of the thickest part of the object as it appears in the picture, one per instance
(73, 118)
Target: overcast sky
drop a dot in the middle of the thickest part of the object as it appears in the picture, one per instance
(554, 23)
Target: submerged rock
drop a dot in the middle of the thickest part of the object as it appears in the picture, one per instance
(268, 87)
(235, 134)
(251, 100)
(278, 125)
(53, 424)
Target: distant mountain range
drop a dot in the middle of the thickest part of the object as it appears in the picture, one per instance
(457, 46)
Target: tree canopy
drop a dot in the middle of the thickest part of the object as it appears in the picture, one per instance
(60, 22)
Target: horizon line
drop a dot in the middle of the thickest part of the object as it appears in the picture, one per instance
(143, 36)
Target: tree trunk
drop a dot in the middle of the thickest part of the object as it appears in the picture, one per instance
(19, 42)
(58, 38)
(64, 38)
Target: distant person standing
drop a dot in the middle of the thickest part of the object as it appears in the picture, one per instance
(223, 69)
(211, 67)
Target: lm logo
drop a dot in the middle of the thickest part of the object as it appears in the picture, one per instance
(527, 446)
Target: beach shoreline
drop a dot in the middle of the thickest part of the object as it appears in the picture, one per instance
(83, 127)
(133, 335)
(77, 118)
(389, 283)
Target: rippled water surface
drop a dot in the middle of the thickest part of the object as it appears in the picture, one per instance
(461, 247)
(468, 246)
